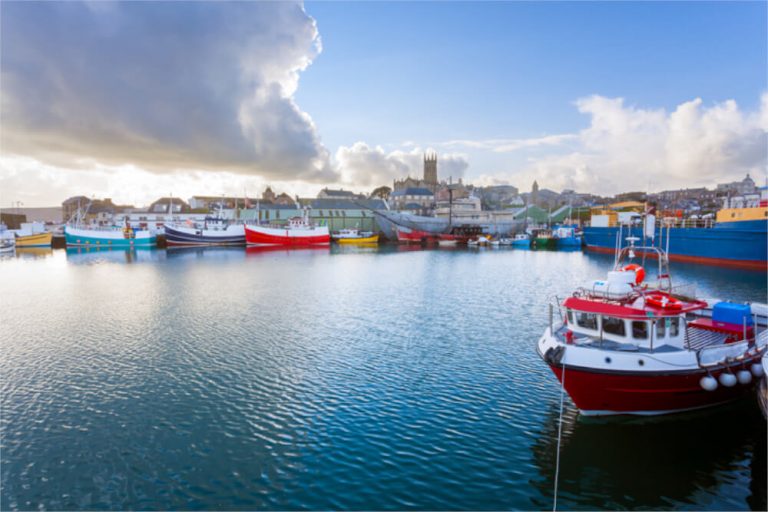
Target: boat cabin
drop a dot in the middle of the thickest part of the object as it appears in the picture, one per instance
(637, 324)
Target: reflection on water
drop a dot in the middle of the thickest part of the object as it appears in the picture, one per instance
(34, 252)
(344, 378)
(93, 256)
(690, 460)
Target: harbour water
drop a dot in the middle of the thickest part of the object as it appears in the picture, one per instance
(349, 378)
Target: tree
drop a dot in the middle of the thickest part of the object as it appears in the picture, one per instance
(381, 192)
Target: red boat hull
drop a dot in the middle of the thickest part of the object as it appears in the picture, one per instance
(623, 393)
(414, 236)
(284, 237)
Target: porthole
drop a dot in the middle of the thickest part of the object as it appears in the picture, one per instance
(608, 360)
(640, 362)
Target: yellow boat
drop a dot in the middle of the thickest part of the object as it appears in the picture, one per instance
(353, 236)
(36, 240)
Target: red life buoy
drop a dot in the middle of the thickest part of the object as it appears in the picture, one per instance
(639, 272)
(663, 301)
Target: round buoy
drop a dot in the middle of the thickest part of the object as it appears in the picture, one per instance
(757, 370)
(727, 379)
(709, 383)
(744, 377)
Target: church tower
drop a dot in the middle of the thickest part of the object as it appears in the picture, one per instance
(535, 193)
(430, 170)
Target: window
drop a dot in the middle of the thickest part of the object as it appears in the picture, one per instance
(613, 325)
(674, 326)
(586, 320)
(570, 317)
(640, 330)
(660, 328)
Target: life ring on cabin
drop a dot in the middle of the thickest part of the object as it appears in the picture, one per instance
(663, 302)
(639, 271)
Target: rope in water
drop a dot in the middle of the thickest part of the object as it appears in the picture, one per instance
(559, 435)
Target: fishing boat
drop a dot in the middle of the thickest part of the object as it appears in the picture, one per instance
(210, 232)
(354, 236)
(116, 237)
(543, 239)
(34, 240)
(79, 234)
(566, 237)
(406, 235)
(521, 240)
(448, 240)
(626, 346)
(297, 232)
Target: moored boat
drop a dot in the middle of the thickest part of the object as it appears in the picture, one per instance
(354, 236)
(125, 237)
(762, 393)
(624, 346)
(407, 235)
(543, 239)
(34, 240)
(521, 240)
(298, 232)
(738, 238)
(210, 232)
(567, 237)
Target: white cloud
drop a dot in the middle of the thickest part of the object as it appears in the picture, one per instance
(626, 148)
(207, 86)
(509, 145)
(35, 183)
(366, 166)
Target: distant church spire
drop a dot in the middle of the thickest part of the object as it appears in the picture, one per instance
(430, 170)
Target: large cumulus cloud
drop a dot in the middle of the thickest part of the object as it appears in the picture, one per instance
(629, 148)
(206, 87)
(364, 165)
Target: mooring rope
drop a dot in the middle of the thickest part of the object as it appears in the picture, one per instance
(559, 436)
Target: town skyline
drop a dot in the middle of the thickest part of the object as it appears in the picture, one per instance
(600, 98)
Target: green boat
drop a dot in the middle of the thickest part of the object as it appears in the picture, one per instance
(543, 239)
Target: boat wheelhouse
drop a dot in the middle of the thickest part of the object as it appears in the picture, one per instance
(624, 346)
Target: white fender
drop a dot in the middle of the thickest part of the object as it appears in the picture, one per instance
(708, 383)
(727, 379)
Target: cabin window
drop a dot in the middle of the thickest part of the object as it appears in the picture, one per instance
(640, 330)
(570, 317)
(674, 326)
(587, 320)
(660, 329)
(613, 325)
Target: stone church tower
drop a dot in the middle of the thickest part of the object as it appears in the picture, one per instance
(535, 193)
(430, 170)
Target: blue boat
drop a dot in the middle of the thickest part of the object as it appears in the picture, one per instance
(122, 238)
(567, 237)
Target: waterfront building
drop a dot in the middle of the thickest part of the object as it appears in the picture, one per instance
(421, 196)
(337, 214)
(328, 193)
(743, 187)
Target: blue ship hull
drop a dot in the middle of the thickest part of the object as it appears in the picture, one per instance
(125, 243)
(571, 241)
(736, 244)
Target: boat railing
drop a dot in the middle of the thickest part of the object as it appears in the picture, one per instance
(675, 222)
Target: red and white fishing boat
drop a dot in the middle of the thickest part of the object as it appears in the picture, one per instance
(297, 233)
(624, 346)
(407, 235)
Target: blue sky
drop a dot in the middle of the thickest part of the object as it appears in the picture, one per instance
(391, 72)
(125, 99)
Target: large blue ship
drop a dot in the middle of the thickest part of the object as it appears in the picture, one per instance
(738, 238)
